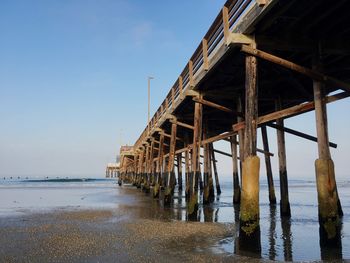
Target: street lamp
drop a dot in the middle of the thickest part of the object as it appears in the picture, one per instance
(149, 100)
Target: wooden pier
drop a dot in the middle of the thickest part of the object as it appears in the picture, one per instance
(260, 62)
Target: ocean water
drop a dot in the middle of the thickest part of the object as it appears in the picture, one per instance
(294, 239)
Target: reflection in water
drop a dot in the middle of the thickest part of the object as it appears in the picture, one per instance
(246, 245)
(272, 233)
(331, 252)
(275, 238)
(208, 213)
(287, 238)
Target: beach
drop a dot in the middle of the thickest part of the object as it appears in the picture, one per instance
(132, 231)
(99, 221)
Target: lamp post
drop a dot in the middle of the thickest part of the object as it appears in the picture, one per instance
(149, 100)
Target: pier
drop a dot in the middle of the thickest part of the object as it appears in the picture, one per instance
(261, 62)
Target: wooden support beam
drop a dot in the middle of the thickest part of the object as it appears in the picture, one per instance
(182, 124)
(257, 149)
(314, 74)
(215, 105)
(218, 137)
(169, 136)
(292, 111)
(298, 133)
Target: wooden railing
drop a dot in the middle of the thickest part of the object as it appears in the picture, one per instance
(213, 39)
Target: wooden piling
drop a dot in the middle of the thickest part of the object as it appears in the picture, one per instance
(236, 187)
(282, 160)
(187, 173)
(208, 190)
(193, 203)
(272, 196)
(240, 134)
(216, 176)
(159, 170)
(170, 169)
(249, 211)
(179, 171)
(328, 200)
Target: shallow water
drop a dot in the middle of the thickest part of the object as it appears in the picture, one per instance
(295, 239)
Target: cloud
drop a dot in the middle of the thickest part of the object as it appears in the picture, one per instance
(141, 32)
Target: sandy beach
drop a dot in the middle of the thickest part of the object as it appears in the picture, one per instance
(109, 236)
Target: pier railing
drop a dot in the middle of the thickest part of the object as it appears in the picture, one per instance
(200, 60)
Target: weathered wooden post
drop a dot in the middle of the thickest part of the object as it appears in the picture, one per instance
(179, 171)
(240, 134)
(284, 203)
(170, 171)
(145, 167)
(147, 185)
(249, 210)
(272, 196)
(193, 203)
(208, 193)
(217, 182)
(327, 193)
(187, 173)
(236, 187)
(156, 187)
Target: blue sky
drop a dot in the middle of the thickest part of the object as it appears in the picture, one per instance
(73, 77)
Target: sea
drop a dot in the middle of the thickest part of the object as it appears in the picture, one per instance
(284, 239)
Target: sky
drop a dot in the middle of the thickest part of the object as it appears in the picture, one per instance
(73, 83)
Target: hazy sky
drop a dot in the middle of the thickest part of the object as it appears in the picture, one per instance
(73, 83)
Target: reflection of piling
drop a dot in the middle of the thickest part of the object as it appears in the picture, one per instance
(272, 233)
(287, 238)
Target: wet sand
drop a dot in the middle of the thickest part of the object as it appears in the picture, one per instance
(136, 229)
(109, 236)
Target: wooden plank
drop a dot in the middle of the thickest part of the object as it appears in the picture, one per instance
(298, 133)
(316, 75)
